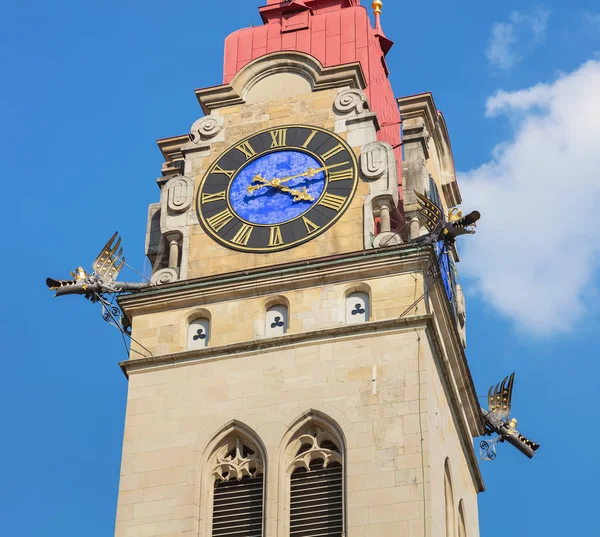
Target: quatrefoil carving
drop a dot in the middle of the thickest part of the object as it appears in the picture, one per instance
(236, 463)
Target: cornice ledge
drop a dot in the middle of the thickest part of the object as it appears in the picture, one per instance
(358, 265)
(320, 78)
(223, 352)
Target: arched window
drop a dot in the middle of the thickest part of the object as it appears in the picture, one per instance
(449, 498)
(237, 474)
(276, 320)
(358, 309)
(198, 334)
(316, 482)
(462, 525)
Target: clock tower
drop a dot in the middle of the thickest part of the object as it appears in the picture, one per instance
(298, 370)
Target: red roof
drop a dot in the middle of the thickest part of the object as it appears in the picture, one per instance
(333, 31)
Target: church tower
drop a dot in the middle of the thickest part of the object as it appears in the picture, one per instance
(300, 371)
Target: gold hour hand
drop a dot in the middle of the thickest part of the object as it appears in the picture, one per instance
(298, 195)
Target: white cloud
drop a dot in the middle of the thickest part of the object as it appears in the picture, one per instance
(511, 40)
(537, 249)
(592, 18)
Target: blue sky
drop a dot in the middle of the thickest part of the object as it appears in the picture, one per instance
(89, 87)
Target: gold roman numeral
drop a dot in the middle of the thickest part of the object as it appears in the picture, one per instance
(341, 175)
(332, 201)
(228, 173)
(247, 149)
(219, 220)
(278, 138)
(275, 238)
(207, 198)
(243, 235)
(311, 227)
(309, 139)
(332, 152)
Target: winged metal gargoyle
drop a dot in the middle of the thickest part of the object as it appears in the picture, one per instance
(497, 418)
(101, 281)
(441, 229)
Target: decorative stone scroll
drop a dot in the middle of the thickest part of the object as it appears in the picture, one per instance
(179, 192)
(374, 161)
(164, 276)
(351, 100)
(204, 129)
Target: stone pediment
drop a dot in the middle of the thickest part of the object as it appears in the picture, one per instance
(298, 73)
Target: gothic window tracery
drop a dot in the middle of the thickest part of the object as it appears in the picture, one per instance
(316, 484)
(237, 473)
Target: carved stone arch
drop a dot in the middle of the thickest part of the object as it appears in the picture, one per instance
(462, 523)
(357, 287)
(273, 300)
(197, 313)
(449, 501)
(224, 454)
(314, 437)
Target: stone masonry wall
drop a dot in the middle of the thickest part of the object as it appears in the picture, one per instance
(238, 320)
(174, 412)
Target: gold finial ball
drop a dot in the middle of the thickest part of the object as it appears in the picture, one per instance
(377, 5)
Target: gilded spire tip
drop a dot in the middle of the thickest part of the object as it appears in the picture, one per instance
(377, 5)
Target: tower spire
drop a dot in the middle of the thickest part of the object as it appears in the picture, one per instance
(386, 44)
(377, 5)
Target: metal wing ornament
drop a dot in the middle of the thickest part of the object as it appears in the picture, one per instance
(106, 267)
(108, 264)
(441, 229)
(497, 420)
(100, 284)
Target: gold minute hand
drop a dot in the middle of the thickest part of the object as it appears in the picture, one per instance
(308, 173)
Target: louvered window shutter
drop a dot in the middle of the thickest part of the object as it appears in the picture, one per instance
(238, 507)
(316, 503)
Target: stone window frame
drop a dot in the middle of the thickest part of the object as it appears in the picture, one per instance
(224, 440)
(450, 514)
(270, 303)
(289, 461)
(357, 287)
(195, 315)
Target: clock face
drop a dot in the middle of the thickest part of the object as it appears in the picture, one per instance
(277, 189)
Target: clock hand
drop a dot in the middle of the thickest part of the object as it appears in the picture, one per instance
(299, 195)
(277, 180)
(308, 173)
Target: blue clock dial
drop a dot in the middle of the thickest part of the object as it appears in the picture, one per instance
(277, 188)
(272, 205)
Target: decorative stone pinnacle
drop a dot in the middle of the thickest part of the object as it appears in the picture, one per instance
(377, 5)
